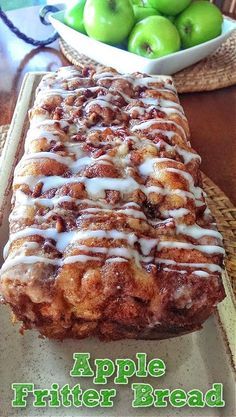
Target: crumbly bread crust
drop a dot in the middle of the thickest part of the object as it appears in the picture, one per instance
(110, 234)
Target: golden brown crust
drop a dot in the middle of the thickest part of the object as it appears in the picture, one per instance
(109, 233)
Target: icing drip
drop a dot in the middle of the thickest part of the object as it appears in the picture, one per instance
(64, 239)
(72, 165)
(202, 274)
(197, 232)
(207, 249)
(149, 123)
(96, 186)
(211, 267)
(175, 213)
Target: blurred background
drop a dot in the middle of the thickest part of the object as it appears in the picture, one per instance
(16, 4)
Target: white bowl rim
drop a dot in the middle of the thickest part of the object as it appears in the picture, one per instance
(181, 52)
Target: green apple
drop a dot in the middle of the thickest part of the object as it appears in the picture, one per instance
(171, 18)
(74, 16)
(200, 22)
(169, 7)
(142, 3)
(154, 37)
(141, 12)
(108, 21)
(138, 3)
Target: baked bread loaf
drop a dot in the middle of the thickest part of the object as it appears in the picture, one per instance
(110, 234)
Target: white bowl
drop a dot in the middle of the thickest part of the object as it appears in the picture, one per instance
(125, 62)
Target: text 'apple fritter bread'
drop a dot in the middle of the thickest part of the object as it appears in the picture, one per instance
(110, 234)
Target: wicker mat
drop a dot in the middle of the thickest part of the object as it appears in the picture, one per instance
(221, 207)
(216, 71)
(3, 136)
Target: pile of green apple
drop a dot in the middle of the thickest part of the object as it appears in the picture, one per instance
(150, 28)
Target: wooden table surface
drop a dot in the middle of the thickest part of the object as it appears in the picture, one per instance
(211, 115)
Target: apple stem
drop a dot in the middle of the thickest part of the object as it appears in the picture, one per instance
(112, 4)
(147, 48)
(188, 28)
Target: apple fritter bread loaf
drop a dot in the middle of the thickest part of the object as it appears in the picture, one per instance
(110, 234)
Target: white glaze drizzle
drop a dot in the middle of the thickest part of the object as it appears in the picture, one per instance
(207, 249)
(72, 165)
(17, 260)
(202, 274)
(96, 187)
(210, 266)
(175, 213)
(148, 124)
(116, 260)
(187, 155)
(163, 104)
(197, 232)
(102, 102)
(64, 239)
(141, 81)
(148, 166)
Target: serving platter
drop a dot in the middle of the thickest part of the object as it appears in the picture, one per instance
(125, 62)
(192, 361)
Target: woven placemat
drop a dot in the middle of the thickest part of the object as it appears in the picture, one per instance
(3, 136)
(216, 71)
(221, 207)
